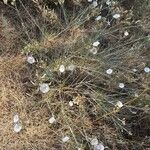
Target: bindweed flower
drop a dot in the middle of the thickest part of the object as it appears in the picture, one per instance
(99, 147)
(116, 16)
(52, 120)
(98, 18)
(30, 59)
(71, 67)
(93, 50)
(95, 44)
(109, 71)
(119, 104)
(108, 2)
(134, 70)
(44, 87)
(147, 69)
(126, 33)
(89, 0)
(16, 118)
(17, 127)
(71, 103)
(121, 85)
(62, 68)
(94, 141)
(95, 3)
(65, 139)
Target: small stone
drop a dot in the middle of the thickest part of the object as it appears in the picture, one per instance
(119, 104)
(51, 120)
(71, 103)
(44, 88)
(89, 1)
(147, 69)
(99, 147)
(17, 127)
(121, 85)
(16, 118)
(65, 139)
(116, 16)
(98, 18)
(94, 141)
(62, 68)
(95, 44)
(30, 59)
(109, 71)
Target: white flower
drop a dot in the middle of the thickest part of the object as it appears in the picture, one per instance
(119, 104)
(98, 18)
(71, 103)
(109, 71)
(17, 127)
(30, 59)
(89, 0)
(126, 33)
(94, 141)
(93, 50)
(136, 95)
(71, 67)
(16, 118)
(65, 139)
(95, 44)
(134, 70)
(44, 87)
(108, 2)
(116, 16)
(95, 3)
(52, 120)
(147, 69)
(62, 68)
(5, 1)
(99, 147)
(121, 85)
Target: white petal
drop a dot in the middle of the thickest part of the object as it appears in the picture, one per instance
(96, 43)
(71, 67)
(99, 147)
(126, 33)
(71, 103)
(65, 139)
(93, 50)
(109, 71)
(94, 141)
(116, 16)
(108, 2)
(52, 120)
(89, 0)
(95, 3)
(30, 59)
(98, 18)
(17, 127)
(121, 85)
(16, 118)
(119, 104)
(62, 68)
(147, 69)
(134, 70)
(44, 88)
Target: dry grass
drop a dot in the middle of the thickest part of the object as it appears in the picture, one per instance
(66, 41)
